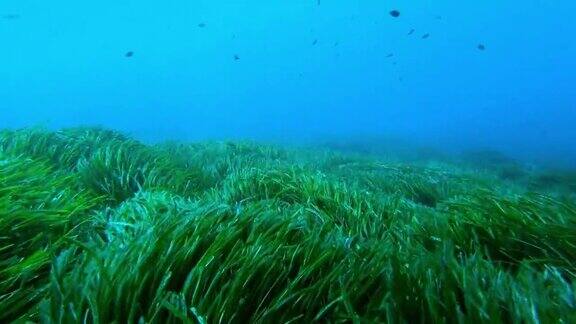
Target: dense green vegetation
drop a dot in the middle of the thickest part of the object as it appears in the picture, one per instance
(98, 227)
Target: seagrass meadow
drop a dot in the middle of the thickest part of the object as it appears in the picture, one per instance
(97, 227)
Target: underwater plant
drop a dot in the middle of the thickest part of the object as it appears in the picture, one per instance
(99, 227)
(40, 209)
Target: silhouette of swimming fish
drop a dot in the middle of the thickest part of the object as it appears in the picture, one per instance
(129, 54)
(10, 16)
(425, 36)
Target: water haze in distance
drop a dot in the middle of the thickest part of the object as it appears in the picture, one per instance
(455, 75)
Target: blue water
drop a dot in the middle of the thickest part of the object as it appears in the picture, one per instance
(204, 69)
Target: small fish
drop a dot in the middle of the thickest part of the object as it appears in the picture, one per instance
(336, 44)
(395, 13)
(481, 47)
(438, 17)
(389, 55)
(425, 36)
(236, 57)
(202, 25)
(318, 2)
(411, 31)
(129, 54)
(315, 42)
(10, 16)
